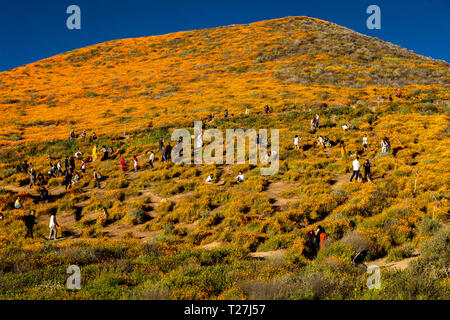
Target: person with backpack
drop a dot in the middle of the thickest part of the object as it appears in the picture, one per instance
(53, 224)
(356, 166)
(30, 222)
(367, 165)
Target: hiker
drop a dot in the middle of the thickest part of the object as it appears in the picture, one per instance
(163, 154)
(240, 177)
(40, 179)
(356, 165)
(313, 125)
(388, 144)
(83, 135)
(72, 134)
(210, 179)
(97, 178)
(83, 166)
(66, 163)
(343, 151)
(225, 114)
(321, 142)
(151, 159)
(25, 167)
(105, 153)
(320, 238)
(43, 194)
(30, 221)
(247, 111)
(67, 179)
(94, 136)
(123, 165)
(383, 145)
(367, 165)
(296, 144)
(266, 109)
(168, 151)
(52, 225)
(51, 172)
(365, 142)
(345, 127)
(161, 144)
(390, 97)
(317, 121)
(327, 142)
(136, 165)
(32, 177)
(94, 153)
(58, 168)
(19, 168)
(398, 93)
(18, 203)
(110, 152)
(105, 213)
(75, 179)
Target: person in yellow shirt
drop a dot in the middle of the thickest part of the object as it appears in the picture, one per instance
(94, 153)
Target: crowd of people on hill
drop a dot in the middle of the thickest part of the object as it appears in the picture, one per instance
(70, 176)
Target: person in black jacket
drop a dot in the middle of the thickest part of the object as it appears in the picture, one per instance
(168, 152)
(30, 221)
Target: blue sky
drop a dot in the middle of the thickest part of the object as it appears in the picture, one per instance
(33, 30)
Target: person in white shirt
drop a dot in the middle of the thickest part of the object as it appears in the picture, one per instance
(365, 142)
(210, 179)
(52, 225)
(296, 140)
(152, 158)
(240, 178)
(345, 127)
(356, 166)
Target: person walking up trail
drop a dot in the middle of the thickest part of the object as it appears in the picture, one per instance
(356, 165)
(343, 151)
(94, 153)
(30, 221)
(123, 165)
(52, 225)
(161, 144)
(32, 177)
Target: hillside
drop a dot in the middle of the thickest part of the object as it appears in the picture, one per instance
(163, 80)
(169, 235)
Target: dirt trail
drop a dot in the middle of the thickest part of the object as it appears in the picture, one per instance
(340, 179)
(269, 255)
(399, 265)
(274, 191)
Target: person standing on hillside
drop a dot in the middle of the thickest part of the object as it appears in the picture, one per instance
(367, 165)
(72, 164)
(52, 225)
(365, 142)
(161, 144)
(225, 114)
(356, 166)
(18, 203)
(296, 142)
(97, 178)
(136, 165)
(58, 168)
(151, 159)
(123, 165)
(68, 179)
(266, 109)
(30, 221)
(313, 125)
(343, 151)
(32, 177)
(317, 121)
(168, 151)
(94, 153)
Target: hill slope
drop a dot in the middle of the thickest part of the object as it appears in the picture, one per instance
(153, 81)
